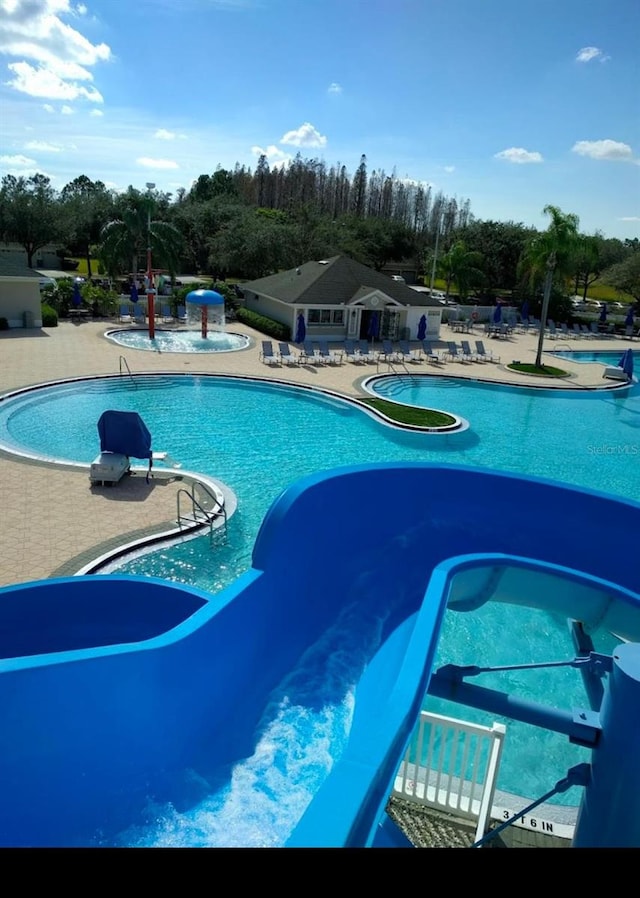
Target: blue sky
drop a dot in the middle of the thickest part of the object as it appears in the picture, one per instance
(512, 105)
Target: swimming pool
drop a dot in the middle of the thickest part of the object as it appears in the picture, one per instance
(608, 357)
(258, 437)
(178, 341)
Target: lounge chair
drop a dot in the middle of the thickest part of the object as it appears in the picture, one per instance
(467, 352)
(389, 354)
(310, 355)
(124, 316)
(165, 312)
(329, 356)
(628, 332)
(352, 352)
(430, 353)
(286, 356)
(407, 353)
(565, 330)
(181, 315)
(584, 330)
(577, 333)
(453, 354)
(552, 331)
(368, 354)
(267, 355)
(485, 355)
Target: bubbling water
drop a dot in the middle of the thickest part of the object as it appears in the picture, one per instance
(179, 341)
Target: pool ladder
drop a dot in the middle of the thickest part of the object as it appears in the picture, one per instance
(203, 508)
(124, 364)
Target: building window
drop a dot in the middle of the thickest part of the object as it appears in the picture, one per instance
(326, 317)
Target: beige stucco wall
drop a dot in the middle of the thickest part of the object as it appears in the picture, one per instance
(17, 296)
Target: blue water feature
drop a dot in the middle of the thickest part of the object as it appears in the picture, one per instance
(277, 715)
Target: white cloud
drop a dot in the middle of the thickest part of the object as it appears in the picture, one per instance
(449, 168)
(44, 82)
(20, 161)
(519, 156)
(66, 110)
(630, 218)
(97, 113)
(587, 54)
(305, 136)
(604, 149)
(146, 162)
(40, 145)
(51, 55)
(275, 156)
(163, 134)
(334, 88)
(47, 107)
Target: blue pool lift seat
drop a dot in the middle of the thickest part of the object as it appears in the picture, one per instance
(123, 435)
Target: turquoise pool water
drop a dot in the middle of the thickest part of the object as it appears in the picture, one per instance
(258, 438)
(609, 357)
(179, 341)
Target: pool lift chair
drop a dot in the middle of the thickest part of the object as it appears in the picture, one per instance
(123, 435)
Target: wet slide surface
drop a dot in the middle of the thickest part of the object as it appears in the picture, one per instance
(155, 720)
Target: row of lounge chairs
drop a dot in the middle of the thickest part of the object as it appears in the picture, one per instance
(361, 352)
(131, 313)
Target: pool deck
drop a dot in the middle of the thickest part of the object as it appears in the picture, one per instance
(56, 520)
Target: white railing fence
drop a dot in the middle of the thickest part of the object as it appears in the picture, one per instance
(452, 765)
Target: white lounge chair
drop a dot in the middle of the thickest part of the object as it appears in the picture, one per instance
(485, 355)
(286, 356)
(267, 355)
(124, 316)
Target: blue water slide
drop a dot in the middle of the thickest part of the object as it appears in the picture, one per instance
(116, 691)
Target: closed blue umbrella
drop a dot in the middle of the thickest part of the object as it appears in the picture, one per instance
(628, 321)
(374, 326)
(301, 329)
(422, 328)
(524, 311)
(77, 296)
(603, 313)
(497, 314)
(134, 293)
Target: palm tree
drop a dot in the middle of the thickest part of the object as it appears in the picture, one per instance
(462, 267)
(125, 240)
(551, 252)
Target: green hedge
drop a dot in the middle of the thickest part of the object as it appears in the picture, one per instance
(49, 316)
(267, 326)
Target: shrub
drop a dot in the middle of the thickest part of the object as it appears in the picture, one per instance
(268, 326)
(49, 316)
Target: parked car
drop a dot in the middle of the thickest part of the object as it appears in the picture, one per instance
(48, 282)
(398, 278)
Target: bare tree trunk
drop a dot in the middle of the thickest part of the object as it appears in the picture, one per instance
(548, 281)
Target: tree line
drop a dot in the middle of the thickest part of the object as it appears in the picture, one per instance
(246, 224)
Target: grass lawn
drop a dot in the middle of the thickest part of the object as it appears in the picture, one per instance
(405, 414)
(542, 371)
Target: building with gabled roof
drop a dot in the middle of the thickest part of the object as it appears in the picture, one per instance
(20, 301)
(343, 299)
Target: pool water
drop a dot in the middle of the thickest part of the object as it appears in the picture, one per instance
(603, 357)
(179, 341)
(258, 438)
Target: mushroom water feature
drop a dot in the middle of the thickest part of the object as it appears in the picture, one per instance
(208, 300)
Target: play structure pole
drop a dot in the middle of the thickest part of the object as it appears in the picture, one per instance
(204, 322)
(151, 312)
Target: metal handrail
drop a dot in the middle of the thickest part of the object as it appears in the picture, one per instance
(209, 515)
(126, 365)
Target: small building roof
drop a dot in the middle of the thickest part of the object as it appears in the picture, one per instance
(333, 281)
(10, 268)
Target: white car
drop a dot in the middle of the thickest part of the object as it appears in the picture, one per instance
(48, 282)
(398, 278)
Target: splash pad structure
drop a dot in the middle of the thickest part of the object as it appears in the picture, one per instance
(211, 306)
(203, 308)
